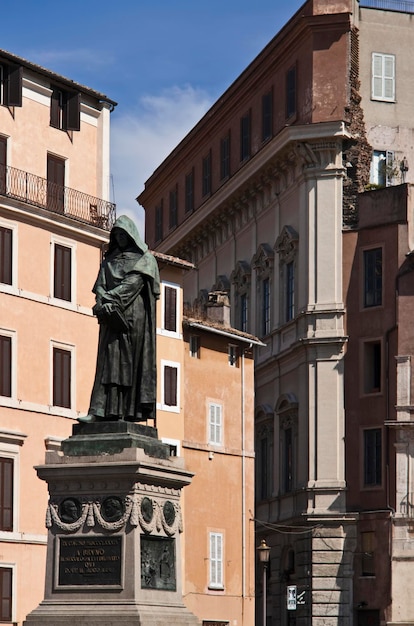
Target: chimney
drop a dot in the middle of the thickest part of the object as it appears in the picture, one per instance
(218, 308)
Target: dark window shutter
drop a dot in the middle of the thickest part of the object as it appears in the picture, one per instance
(56, 108)
(61, 378)
(14, 85)
(170, 309)
(6, 594)
(170, 386)
(73, 100)
(63, 273)
(6, 252)
(5, 366)
(6, 494)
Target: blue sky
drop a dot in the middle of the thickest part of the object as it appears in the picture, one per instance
(164, 61)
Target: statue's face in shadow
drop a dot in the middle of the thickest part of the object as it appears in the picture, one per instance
(121, 238)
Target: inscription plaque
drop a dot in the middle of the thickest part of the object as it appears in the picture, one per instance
(158, 563)
(89, 561)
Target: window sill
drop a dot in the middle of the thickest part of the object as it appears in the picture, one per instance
(216, 588)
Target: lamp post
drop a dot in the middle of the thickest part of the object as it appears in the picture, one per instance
(264, 553)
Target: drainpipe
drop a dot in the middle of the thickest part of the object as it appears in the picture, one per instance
(243, 451)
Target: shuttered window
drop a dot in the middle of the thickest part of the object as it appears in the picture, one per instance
(245, 137)
(267, 115)
(173, 208)
(65, 109)
(11, 77)
(6, 594)
(61, 378)
(159, 222)
(6, 252)
(170, 385)
(3, 164)
(63, 273)
(5, 366)
(206, 187)
(170, 309)
(6, 494)
(291, 92)
(216, 560)
(215, 426)
(189, 192)
(383, 77)
(225, 157)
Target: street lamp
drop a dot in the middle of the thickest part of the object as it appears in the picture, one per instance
(264, 553)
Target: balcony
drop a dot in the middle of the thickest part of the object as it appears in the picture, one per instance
(402, 6)
(44, 194)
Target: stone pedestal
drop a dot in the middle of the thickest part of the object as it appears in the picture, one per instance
(114, 523)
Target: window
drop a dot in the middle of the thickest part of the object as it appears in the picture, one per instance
(291, 92)
(170, 310)
(383, 171)
(383, 77)
(189, 192)
(287, 248)
(62, 377)
(290, 291)
(6, 255)
(170, 386)
(372, 457)
(373, 277)
(216, 561)
(233, 355)
(267, 115)
(265, 285)
(287, 459)
(173, 208)
(11, 85)
(6, 594)
(245, 137)
(225, 157)
(367, 553)
(62, 287)
(215, 426)
(372, 366)
(264, 460)
(206, 186)
(55, 184)
(195, 346)
(287, 409)
(6, 493)
(159, 222)
(244, 312)
(6, 366)
(65, 109)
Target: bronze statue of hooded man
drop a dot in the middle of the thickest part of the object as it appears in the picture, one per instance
(126, 291)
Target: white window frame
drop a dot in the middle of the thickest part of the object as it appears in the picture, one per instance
(10, 444)
(168, 407)
(380, 80)
(215, 425)
(173, 442)
(15, 256)
(60, 410)
(5, 400)
(216, 560)
(68, 244)
(163, 331)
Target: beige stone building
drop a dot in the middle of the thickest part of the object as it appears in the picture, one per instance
(54, 216)
(260, 195)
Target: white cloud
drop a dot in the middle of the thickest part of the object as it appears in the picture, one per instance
(141, 140)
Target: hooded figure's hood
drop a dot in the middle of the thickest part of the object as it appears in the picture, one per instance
(125, 223)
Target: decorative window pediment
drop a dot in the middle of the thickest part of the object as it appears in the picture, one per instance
(263, 259)
(286, 244)
(241, 276)
(222, 284)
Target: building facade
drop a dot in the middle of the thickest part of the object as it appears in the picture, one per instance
(54, 217)
(204, 412)
(262, 195)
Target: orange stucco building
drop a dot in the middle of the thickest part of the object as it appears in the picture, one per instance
(54, 216)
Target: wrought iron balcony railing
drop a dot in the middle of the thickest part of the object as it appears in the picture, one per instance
(42, 193)
(402, 6)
